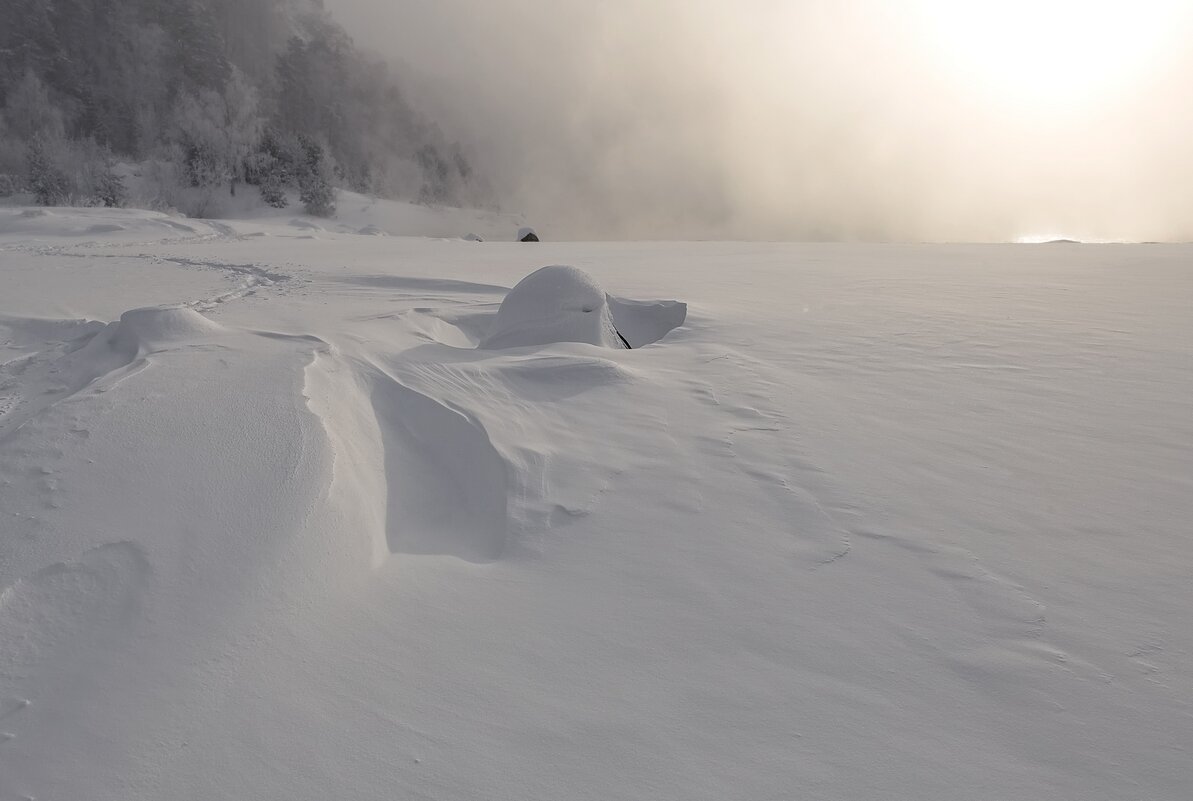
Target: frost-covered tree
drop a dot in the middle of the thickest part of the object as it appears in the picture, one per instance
(218, 132)
(29, 112)
(192, 81)
(242, 126)
(28, 42)
(45, 180)
(200, 49)
(274, 167)
(316, 192)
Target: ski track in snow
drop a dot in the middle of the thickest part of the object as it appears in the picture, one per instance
(249, 277)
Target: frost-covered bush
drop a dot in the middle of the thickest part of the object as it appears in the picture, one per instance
(160, 185)
(165, 185)
(62, 172)
(110, 189)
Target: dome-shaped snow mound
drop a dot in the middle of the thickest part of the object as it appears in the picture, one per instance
(554, 304)
(564, 304)
(156, 326)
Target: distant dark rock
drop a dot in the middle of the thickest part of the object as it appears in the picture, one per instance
(527, 235)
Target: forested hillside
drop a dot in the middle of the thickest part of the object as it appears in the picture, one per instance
(205, 96)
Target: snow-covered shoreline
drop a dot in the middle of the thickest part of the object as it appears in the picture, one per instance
(875, 522)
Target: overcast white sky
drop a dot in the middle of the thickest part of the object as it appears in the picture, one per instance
(827, 119)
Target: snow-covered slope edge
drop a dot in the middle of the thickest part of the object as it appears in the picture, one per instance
(356, 214)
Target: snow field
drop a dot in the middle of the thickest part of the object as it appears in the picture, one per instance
(288, 517)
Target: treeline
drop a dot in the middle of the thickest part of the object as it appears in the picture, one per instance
(206, 96)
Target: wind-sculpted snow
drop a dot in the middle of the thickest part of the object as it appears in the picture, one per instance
(90, 356)
(469, 449)
(644, 322)
(554, 304)
(143, 330)
(447, 485)
(565, 304)
(858, 523)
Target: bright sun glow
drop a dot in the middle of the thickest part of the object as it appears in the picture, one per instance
(1055, 51)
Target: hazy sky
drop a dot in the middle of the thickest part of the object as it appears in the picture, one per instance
(825, 119)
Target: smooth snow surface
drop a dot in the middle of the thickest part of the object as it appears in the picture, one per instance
(857, 522)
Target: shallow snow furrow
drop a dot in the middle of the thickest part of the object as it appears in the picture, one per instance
(758, 439)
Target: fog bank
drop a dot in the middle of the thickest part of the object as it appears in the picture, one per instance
(800, 120)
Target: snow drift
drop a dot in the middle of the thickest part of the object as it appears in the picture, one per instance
(141, 330)
(565, 304)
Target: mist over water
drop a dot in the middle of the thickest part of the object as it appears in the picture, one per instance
(787, 120)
